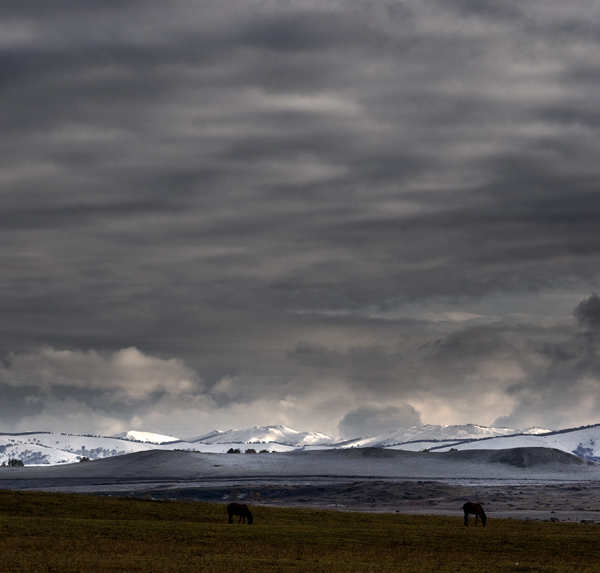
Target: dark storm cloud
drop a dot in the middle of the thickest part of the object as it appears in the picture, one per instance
(494, 12)
(587, 312)
(268, 192)
(372, 420)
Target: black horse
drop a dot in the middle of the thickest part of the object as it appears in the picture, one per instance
(241, 510)
(474, 509)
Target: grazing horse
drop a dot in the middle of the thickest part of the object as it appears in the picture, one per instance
(241, 510)
(477, 510)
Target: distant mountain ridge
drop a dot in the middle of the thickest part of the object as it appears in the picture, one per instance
(263, 435)
(47, 448)
(436, 433)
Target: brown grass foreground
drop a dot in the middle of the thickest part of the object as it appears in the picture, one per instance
(76, 533)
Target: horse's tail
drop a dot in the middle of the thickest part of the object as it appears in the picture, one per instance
(483, 516)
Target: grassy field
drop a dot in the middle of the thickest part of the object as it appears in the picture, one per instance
(69, 533)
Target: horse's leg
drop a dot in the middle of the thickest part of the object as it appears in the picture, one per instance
(466, 518)
(476, 516)
(231, 518)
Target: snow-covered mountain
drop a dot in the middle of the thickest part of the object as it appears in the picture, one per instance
(583, 442)
(41, 448)
(46, 448)
(433, 433)
(264, 435)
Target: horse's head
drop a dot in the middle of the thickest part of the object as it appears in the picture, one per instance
(250, 518)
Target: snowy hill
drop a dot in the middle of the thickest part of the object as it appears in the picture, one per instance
(149, 469)
(433, 433)
(42, 448)
(583, 442)
(264, 435)
(46, 448)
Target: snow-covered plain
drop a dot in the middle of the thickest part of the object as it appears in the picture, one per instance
(177, 469)
(46, 448)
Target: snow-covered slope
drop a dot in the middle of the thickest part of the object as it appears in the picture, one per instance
(433, 433)
(136, 436)
(264, 435)
(163, 467)
(41, 448)
(45, 448)
(584, 442)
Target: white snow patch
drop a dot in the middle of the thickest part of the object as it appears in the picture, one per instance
(136, 436)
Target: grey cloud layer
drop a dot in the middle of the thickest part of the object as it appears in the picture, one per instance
(245, 185)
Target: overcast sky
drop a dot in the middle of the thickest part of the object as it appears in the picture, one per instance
(342, 216)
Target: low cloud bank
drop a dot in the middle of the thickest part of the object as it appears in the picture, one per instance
(371, 420)
(498, 373)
